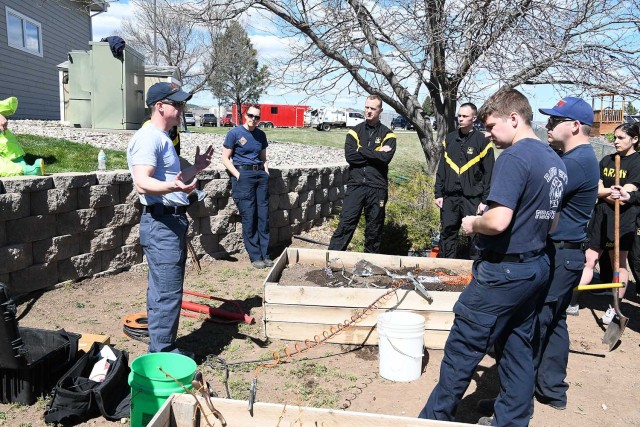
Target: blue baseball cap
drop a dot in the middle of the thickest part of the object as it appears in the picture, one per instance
(571, 108)
(166, 90)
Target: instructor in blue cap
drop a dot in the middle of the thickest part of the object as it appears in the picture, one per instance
(162, 188)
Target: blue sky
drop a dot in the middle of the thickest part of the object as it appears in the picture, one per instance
(266, 44)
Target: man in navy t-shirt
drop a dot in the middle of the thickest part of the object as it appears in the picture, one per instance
(568, 129)
(498, 307)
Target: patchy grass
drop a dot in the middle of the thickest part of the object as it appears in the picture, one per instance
(61, 155)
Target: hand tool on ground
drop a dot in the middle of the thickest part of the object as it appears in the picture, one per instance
(619, 322)
(227, 316)
(367, 268)
(306, 239)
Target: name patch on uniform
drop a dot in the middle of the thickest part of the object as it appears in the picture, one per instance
(242, 141)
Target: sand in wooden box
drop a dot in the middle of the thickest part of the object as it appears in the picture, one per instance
(301, 311)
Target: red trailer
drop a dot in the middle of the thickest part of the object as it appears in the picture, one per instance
(276, 115)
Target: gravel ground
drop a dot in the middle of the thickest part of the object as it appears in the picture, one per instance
(280, 154)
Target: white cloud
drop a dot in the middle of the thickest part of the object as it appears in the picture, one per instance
(106, 23)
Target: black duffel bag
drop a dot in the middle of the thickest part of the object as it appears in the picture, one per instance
(77, 399)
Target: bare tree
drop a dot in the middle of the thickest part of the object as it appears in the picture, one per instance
(182, 41)
(453, 51)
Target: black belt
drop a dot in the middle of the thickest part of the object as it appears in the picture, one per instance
(562, 244)
(259, 167)
(159, 209)
(490, 256)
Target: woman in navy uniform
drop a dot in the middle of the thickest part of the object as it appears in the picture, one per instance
(244, 154)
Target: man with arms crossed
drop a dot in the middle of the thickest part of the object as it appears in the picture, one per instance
(498, 307)
(369, 148)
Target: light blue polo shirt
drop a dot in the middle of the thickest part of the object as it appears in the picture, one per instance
(152, 146)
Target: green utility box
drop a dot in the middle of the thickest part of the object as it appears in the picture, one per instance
(79, 113)
(106, 92)
(117, 100)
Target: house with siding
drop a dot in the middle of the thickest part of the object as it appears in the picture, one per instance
(35, 36)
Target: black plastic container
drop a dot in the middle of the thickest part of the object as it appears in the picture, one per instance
(31, 360)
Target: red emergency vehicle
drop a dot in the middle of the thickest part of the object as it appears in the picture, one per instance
(275, 115)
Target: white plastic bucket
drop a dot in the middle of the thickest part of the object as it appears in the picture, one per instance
(401, 345)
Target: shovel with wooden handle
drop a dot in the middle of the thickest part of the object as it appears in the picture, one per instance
(619, 322)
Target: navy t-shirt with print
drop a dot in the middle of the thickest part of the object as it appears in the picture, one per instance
(246, 145)
(580, 195)
(528, 178)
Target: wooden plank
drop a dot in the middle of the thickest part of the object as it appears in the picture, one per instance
(272, 414)
(460, 265)
(357, 297)
(355, 335)
(441, 320)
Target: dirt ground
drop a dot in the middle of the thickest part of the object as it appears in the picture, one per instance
(604, 389)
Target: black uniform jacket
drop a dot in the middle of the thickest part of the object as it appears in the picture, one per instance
(368, 165)
(465, 166)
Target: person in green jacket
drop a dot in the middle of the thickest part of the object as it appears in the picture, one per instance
(12, 162)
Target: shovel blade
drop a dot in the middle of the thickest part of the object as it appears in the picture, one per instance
(614, 330)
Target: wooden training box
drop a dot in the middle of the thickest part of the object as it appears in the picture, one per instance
(299, 313)
(178, 411)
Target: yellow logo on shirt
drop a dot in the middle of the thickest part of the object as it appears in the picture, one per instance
(242, 140)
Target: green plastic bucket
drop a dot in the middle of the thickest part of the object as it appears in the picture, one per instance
(150, 387)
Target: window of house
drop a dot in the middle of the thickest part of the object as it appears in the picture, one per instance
(23, 32)
(274, 110)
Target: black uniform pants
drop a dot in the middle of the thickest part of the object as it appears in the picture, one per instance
(357, 198)
(634, 256)
(454, 208)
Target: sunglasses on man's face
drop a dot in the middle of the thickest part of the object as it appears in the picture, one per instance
(253, 116)
(176, 104)
(555, 121)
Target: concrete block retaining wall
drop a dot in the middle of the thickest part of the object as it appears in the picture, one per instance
(69, 226)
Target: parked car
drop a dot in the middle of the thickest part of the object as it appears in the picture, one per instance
(227, 120)
(189, 119)
(400, 122)
(208, 120)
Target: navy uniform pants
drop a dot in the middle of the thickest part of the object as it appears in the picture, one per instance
(498, 307)
(454, 208)
(164, 241)
(551, 347)
(251, 195)
(357, 198)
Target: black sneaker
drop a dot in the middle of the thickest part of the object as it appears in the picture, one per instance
(268, 262)
(560, 406)
(485, 406)
(258, 264)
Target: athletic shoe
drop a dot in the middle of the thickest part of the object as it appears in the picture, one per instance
(268, 262)
(485, 421)
(573, 310)
(560, 406)
(608, 316)
(258, 264)
(485, 406)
